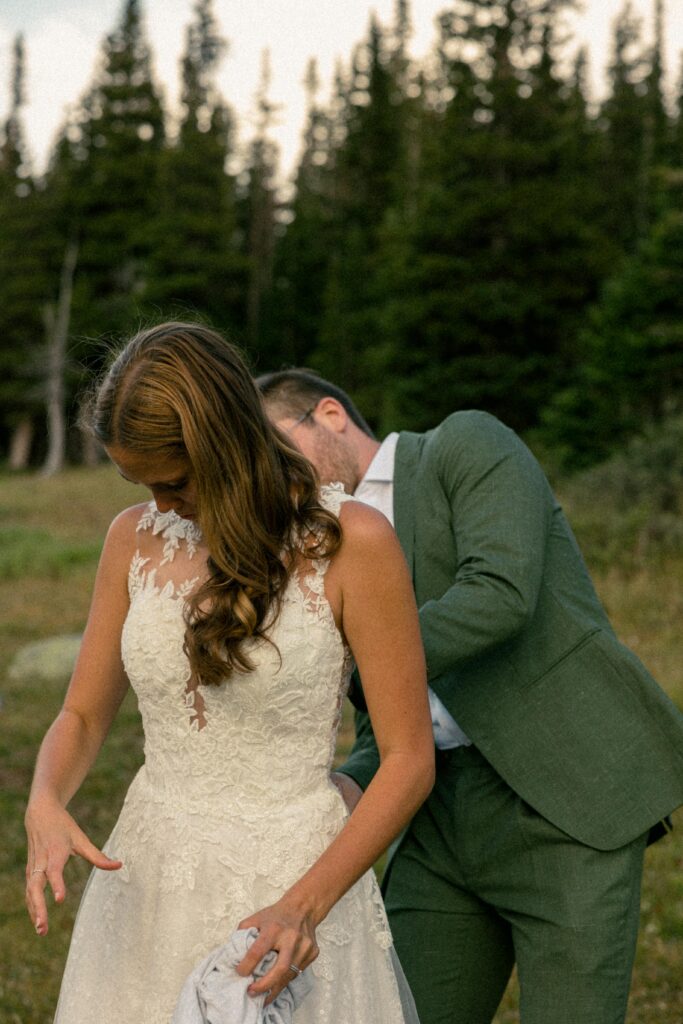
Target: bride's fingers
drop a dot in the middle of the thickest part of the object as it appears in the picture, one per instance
(292, 940)
(84, 848)
(55, 876)
(36, 882)
(298, 953)
(280, 975)
(43, 870)
(255, 954)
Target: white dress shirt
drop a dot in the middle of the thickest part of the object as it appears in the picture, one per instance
(377, 489)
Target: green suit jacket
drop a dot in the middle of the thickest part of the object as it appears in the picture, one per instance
(518, 646)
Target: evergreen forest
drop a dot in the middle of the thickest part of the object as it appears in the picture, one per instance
(470, 231)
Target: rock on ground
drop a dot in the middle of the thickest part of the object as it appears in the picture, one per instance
(48, 661)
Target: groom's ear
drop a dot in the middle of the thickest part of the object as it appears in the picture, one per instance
(332, 415)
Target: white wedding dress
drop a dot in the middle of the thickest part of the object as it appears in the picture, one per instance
(232, 804)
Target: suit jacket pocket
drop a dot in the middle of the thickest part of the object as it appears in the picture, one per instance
(591, 739)
(568, 654)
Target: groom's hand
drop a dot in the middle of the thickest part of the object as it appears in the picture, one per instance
(349, 789)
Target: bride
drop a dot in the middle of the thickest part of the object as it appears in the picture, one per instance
(234, 604)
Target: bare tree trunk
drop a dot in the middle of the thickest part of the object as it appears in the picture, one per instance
(91, 453)
(56, 333)
(20, 444)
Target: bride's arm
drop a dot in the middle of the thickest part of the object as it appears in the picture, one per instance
(380, 622)
(72, 742)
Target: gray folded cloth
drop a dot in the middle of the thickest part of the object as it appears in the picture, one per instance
(214, 993)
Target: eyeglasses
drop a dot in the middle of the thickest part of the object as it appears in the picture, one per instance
(297, 422)
(304, 416)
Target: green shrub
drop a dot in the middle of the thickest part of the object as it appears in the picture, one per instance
(629, 509)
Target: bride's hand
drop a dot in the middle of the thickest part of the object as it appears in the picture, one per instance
(53, 837)
(291, 934)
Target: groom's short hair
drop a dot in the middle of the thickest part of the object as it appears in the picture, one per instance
(295, 392)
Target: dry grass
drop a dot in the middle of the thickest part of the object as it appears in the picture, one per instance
(74, 510)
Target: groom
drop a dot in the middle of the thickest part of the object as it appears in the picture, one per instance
(557, 753)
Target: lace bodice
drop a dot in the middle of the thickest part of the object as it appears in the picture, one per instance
(198, 738)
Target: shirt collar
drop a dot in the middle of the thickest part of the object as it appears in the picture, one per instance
(381, 469)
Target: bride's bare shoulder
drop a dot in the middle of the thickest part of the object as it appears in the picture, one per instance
(363, 524)
(369, 541)
(126, 522)
(121, 541)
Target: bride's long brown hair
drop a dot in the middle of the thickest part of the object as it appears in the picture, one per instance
(180, 390)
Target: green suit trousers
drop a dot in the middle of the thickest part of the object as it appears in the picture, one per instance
(481, 881)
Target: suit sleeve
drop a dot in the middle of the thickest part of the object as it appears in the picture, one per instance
(501, 508)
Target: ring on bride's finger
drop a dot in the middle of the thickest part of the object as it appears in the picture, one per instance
(39, 871)
(297, 970)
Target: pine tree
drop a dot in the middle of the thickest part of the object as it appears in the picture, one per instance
(370, 161)
(676, 152)
(303, 246)
(632, 366)
(658, 130)
(22, 281)
(624, 118)
(259, 209)
(657, 121)
(493, 274)
(116, 139)
(196, 264)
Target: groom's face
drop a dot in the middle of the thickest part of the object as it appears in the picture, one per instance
(330, 451)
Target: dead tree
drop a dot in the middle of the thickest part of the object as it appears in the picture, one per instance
(56, 334)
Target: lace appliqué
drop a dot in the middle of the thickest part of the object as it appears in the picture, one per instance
(333, 496)
(173, 529)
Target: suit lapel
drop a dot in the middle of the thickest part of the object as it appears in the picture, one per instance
(405, 478)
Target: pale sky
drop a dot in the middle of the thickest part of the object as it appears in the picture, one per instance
(63, 39)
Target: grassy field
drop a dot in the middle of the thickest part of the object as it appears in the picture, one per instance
(50, 533)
